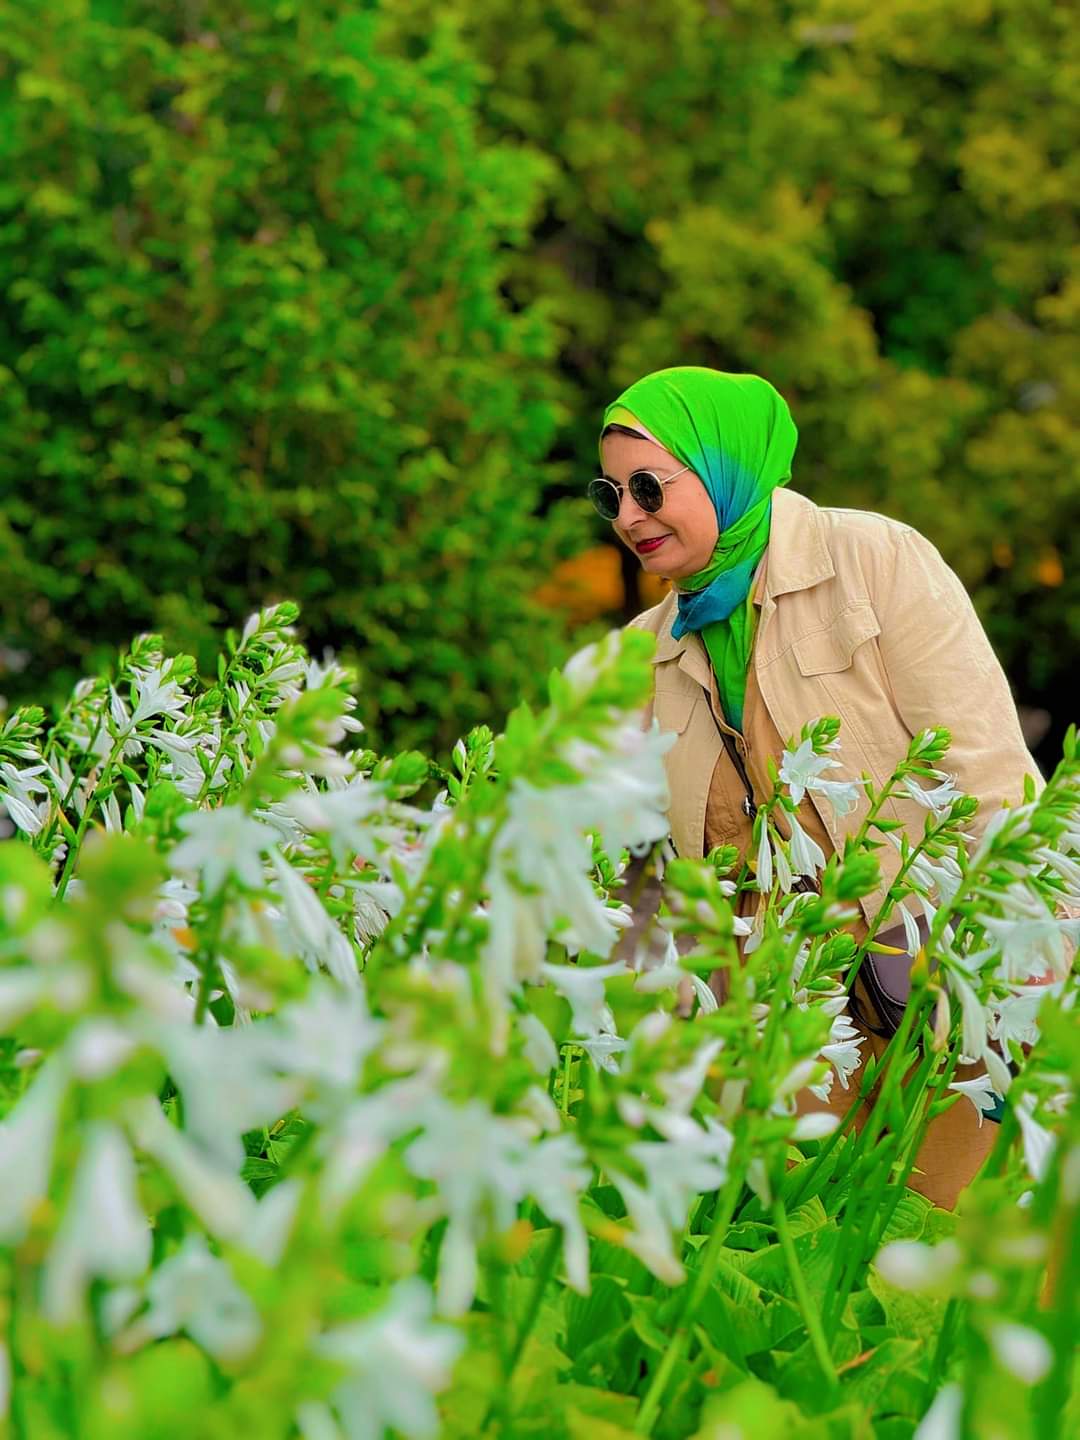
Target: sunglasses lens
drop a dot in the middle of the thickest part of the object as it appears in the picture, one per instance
(647, 490)
(605, 497)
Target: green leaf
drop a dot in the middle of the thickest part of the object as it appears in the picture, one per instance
(599, 1313)
(908, 1220)
(911, 1317)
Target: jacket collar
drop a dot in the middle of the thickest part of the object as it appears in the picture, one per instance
(797, 558)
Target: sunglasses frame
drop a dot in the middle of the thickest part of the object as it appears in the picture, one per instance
(637, 492)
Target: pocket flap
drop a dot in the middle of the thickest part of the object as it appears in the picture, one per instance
(830, 649)
(673, 708)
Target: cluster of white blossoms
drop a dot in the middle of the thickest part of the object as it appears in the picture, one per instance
(424, 1070)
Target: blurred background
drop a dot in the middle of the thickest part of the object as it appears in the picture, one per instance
(323, 300)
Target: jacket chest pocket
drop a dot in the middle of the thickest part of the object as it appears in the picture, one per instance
(832, 648)
(674, 707)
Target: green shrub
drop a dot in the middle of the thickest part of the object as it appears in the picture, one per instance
(253, 343)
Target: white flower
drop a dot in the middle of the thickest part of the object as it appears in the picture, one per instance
(314, 933)
(583, 668)
(943, 875)
(796, 1079)
(800, 767)
(195, 1291)
(395, 1361)
(223, 843)
(842, 1050)
(815, 1126)
(97, 1048)
(361, 1134)
(938, 798)
(974, 1016)
(999, 1072)
(707, 1001)
(942, 1420)
(650, 1237)
(555, 1173)
(807, 856)
(232, 1081)
(763, 870)
(538, 1047)
(757, 1177)
(104, 1234)
(17, 790)
(911, 930)
(1014, 1019)
(476, 1159)
(681, 1088)
(784, 878)
(912, 1265)
(222, 1202)
(326, 1037)
(1031, 947)
(583, 987)
(623, 788)
(602, 1049)
(21, 990)
(27, 1136)
(691, 1160)
(842, 795)
(156, 694)
(1064, 866)
(980, 1092)
(1022, 1351)
(345, 816)
(540, 875)
(1039, 1143)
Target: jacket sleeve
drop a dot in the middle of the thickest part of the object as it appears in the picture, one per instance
(943, 671)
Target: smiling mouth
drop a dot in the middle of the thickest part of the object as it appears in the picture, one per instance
(646, 547)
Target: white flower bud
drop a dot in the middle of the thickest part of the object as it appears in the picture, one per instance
(911, 1265)
(1022, 1351)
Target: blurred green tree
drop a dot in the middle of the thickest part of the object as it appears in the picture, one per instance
(253, 345)
(872, 202)
(298, 300)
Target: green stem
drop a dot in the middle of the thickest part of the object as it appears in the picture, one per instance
(891, 902)
(693, 1295)
(84, 820)
(802, 1189)
(810, 1313)
(500, 1402)
(229, 734)
(849, 1254)
(913, 1141)
(528, 1320)
(209, 958)
(18, 1418)
(78, 770)
(564, 1099)
(942, 1350)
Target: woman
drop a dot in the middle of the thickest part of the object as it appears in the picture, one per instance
(781, 612)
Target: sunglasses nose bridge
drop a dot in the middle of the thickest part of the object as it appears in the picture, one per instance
(629, 508)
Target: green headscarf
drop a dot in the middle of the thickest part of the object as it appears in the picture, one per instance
(736, 433)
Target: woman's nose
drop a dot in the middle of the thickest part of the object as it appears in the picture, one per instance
(629, 510)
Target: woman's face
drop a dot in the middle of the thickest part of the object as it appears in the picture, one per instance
(685, 525)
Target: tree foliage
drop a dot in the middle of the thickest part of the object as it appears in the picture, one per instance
(873, 205)
(253, 343)
(319, 300)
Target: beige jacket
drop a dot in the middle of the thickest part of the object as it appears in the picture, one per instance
(861, 618)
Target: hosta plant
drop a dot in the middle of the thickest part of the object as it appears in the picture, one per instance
(351, 1096)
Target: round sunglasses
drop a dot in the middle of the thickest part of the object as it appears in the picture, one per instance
(646, 490)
